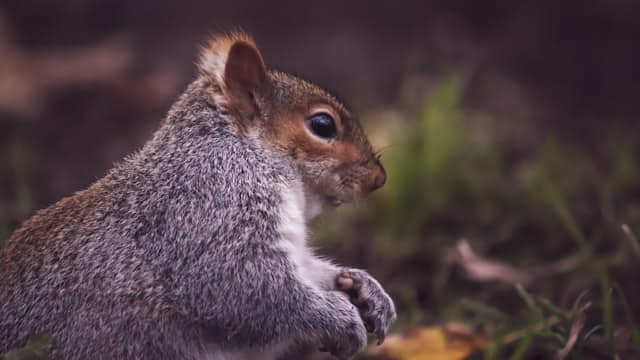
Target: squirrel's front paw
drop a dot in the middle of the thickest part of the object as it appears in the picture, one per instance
(349, 334)
(375, 305)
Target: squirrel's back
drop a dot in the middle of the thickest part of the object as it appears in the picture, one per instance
(107, 253)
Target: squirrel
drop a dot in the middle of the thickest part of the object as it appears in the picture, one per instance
(195, 246)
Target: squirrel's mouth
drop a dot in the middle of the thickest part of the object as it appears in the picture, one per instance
(346, 196)
(336, 191)
(343, 193)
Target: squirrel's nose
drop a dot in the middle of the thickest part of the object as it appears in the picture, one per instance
(377, 178)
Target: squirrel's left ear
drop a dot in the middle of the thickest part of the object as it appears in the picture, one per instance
(235, 64)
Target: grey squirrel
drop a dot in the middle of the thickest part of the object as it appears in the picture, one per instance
(194, 247)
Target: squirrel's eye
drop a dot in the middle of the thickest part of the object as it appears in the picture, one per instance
(322, 125)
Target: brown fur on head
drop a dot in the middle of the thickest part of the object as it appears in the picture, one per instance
(278, 108)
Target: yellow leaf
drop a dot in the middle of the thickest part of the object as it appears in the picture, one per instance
(431, 343)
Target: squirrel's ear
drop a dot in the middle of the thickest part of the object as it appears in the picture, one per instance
(244, 70)
(235, 64)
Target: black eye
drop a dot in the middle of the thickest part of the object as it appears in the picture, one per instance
(322, 125)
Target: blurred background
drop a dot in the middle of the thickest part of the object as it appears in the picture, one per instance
(507, 228)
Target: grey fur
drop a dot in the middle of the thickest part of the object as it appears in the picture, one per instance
(174, 255)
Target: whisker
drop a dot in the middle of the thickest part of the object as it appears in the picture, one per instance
(384, 148)
(378, 153)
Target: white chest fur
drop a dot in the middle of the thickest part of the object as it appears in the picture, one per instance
(292, 223)
(293, 231)
(295, 210)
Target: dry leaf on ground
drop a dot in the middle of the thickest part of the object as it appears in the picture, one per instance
(431, 343)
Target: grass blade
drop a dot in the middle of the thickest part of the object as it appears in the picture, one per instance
(522, 348)
(530, 302)
(633, 239)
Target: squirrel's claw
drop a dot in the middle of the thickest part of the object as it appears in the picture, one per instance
(376, 307)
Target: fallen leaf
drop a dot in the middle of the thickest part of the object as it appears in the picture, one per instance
(431, 343)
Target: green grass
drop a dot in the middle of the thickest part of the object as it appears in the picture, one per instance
(17, 168)
(35, 349)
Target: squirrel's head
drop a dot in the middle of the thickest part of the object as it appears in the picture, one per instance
(300, 120)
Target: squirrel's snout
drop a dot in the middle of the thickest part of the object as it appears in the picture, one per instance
(377, 178)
